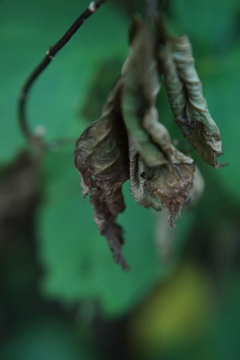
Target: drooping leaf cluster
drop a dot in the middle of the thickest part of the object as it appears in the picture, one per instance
(128, 141)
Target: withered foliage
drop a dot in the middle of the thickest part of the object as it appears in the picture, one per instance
(129, 141)
(166, 175)
(189, 107)
(101, 157)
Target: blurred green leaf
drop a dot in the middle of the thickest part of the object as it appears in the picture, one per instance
(76, 260)
(27, 29)
(222, 86)
(211, 24)
(45, 338)
(164, 320)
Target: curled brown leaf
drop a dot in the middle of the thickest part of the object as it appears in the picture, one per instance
(101, 157)
(140, 88)
(159, 173)
(184, 90)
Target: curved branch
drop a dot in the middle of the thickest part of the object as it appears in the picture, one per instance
(22, 102)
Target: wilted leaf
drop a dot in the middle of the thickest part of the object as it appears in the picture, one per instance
(159, 173)
(187, 102)
(141, 85)
(169, 184)
(138, 182)
(173, 180)
(101, 157)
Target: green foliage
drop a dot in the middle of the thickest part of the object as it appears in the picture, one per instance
(60, 92)
(45, 338)
(213, 25)
(222, 89)
(77, 261)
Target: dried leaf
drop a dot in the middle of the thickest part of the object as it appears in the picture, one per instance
(169, 184)
(172, 181)
(138, 186)
(140, 87)
(101, 157)
(172, 184)
(187, 102)
(159, 173)
(108, 153)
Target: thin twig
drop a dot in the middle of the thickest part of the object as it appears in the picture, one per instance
(152, 6)
(22, 118)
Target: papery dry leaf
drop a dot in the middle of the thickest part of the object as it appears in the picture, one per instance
(172, 181)
(101, 157)
(129, 141)
(169, 185)
(159, 173)
(140, 87)
(138, 181)
(172, 184)
(190, 109)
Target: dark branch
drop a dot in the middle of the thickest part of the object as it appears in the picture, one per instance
(32, 138)
(152, 6)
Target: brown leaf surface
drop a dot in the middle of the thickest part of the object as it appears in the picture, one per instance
(101, 157)
(140, 88)
(190, 109)
(159, 173)
(170, 183)
(138, 186)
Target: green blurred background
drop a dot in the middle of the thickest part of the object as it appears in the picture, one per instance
(61, 295)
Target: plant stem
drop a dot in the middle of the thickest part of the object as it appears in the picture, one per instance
(22, 102)
(152, 6)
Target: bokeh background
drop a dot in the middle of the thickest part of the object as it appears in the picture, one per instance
(61, 295)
